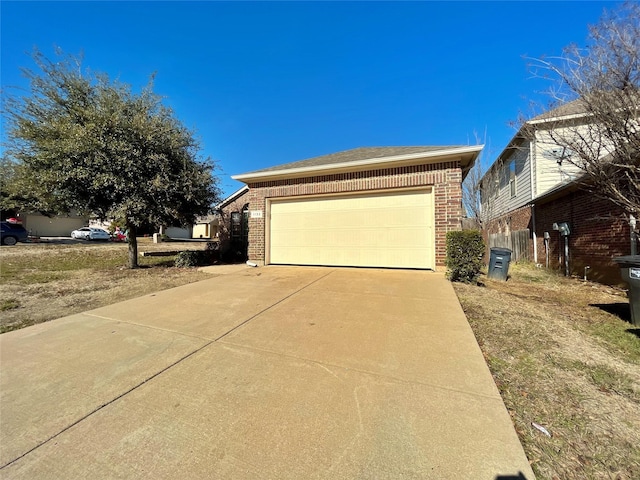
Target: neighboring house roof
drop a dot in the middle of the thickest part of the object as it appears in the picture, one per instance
(566, 111)
(575, 108)
(233, 197)
(24, 213)
(207, 218)
(580, 107)
(365, 158)
(558, 191)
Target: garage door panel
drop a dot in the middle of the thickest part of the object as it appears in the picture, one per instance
(379, 230)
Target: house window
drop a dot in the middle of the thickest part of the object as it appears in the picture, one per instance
(512, 178)
(240, 224)
(236, 225)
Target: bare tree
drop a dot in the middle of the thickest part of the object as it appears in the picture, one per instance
(476, 190)
(595, 121)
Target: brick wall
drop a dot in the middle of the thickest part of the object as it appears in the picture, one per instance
(445, 178)
(599, 233)
(224, 228)
(519, 219)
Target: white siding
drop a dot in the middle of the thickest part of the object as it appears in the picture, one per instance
(549, 171)
(503, 202)
(550, 165)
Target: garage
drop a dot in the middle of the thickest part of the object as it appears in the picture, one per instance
(385, 207)
(380, 229)
(58, 226)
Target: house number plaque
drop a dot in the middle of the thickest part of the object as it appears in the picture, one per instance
(256, 213)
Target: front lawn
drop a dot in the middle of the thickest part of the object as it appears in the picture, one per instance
(41, 282)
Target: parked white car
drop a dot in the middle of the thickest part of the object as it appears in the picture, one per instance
(89, 233)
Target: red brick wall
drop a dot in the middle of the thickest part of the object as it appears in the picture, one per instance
(445, 178)
(519, 219)
(598, 234)
(224, 229)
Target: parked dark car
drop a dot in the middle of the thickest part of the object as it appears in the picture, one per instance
(12, 233)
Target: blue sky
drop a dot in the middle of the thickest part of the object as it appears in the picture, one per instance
(265, 83)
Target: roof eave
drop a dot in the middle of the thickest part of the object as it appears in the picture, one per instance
(234, 196)
(520, 135)
(559, 118)
(466, 155)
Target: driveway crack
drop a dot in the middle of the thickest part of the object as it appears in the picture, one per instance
(271, 306)
(160, 372)
(106, 404)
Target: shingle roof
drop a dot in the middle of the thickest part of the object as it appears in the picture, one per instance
(612, 99)
(574, 107)
(353, 155)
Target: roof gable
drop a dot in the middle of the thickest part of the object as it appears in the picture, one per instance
(233, 197)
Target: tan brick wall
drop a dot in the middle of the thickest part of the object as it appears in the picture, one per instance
(445, 178)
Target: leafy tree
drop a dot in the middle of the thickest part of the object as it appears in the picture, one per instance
(82, 142)
(596, 94)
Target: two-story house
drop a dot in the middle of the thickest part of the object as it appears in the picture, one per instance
(532, 190)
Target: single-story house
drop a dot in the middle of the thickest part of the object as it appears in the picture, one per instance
(206, 227)
(366, 207)
(57, 226)
(233, 227)
(217, 225)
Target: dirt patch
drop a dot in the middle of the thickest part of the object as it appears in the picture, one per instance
(562, 361)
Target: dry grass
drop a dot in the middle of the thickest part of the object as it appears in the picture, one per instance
(563, 358)
(40, 282)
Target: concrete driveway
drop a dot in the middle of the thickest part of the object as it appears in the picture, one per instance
(266, 373)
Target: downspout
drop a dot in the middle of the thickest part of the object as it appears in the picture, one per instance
(533, 233)
(533, 205)
(633, 239)
(567, 272)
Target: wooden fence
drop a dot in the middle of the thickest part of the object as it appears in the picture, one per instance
(518, 242)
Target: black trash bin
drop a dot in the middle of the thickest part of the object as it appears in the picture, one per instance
(630, 270)
(499, 261)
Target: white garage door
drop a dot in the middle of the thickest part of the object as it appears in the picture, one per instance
(369, 230)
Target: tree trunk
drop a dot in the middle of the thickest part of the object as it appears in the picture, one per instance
(133, 246)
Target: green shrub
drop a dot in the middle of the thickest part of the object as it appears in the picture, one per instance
(194, 258)
(465, 250)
